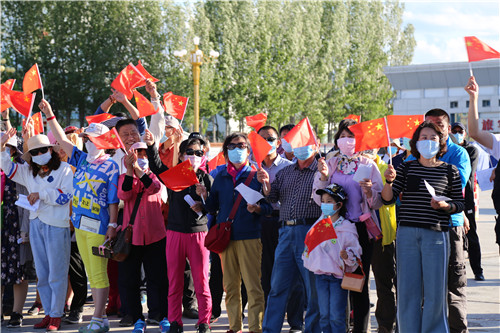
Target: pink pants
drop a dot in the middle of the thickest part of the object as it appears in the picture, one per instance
(179, 247)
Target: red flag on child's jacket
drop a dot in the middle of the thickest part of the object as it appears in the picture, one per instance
(99, 118)
(9, 84)
(144, 106)
(319, 232)
(260, 147)
(129, 78)
(257, 121)
(403, 126)
(301, 135)
(175, 105)
(32, 80)
(19, 101)
(216, 161)
(180, 176)
(370, 134)
(477, 50)
(108, 140)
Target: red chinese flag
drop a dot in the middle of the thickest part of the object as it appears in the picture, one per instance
(260, 147)
(99, 118)
(129, 78)
(403, 126)
(477, 50)
(320, 232)
(145, 73)
(370, 134)
(216, 161)
(257, 121)
(38, 123)
(108, 140)
(179, 177)
(354, 117)
(144, 106)
(175, 105)
(301, 135)
(9, 84)
(19, 101)
(32, 80)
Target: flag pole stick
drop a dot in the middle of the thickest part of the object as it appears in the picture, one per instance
(470, 69)
(388, 140)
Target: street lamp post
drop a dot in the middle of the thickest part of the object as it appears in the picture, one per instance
(196, 59)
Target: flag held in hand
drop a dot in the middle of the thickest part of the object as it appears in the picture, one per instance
(257, 121)
(98, 118)
(403, 126)
(260, 147)
(129, 78)
(9, 84)
(477, 50)
(32, 80)
(145, 73)
(19, 101)
(144, 106)
(37, 123)
(321, 231)
(370, 134)
(108, 140)
(216, 161)
(179, 177)
(301, 135)
(175, 105)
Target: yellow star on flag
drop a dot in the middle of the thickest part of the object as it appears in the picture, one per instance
(379, 127)
(26, 98)
(131, 72)
(33, 72)
(113, 136)
(416, 122)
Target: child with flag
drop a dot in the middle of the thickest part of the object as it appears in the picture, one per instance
(332, 248)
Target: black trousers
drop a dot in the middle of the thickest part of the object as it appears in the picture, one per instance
(474, 248)
(361, 301)
(77, 278)
(153, 258)
(269, 239)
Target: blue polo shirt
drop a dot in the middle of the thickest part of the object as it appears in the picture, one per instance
(459, 157)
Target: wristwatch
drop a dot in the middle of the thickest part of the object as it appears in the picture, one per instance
(113, 225)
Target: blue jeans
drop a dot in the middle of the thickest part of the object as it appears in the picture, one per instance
(288, 265)
(332, 300)
(422, 271)
(51, 247)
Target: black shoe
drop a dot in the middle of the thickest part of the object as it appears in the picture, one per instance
(214, 319)
(479, 277)
(16, 320)
(153, 321)
(74, 317)
(89, 300)
(190, 313)
(176, 328)
(127, 321)
(204, 328)
(35, 309)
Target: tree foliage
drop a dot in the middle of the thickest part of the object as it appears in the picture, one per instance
(290, 59)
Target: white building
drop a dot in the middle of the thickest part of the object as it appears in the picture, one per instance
(420, 88)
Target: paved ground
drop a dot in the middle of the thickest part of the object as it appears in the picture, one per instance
(483, 297)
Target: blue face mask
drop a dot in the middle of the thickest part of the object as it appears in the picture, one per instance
(303, 153)
(393, 150)
(406, 143)
(459, 137)
(286, 146)
(273, 145)
(428, 148)
(237, 155)
(327, 209)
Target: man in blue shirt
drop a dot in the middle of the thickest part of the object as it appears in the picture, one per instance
(457, 280)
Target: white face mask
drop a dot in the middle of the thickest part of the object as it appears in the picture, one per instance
(42, 159)
(143, 163)
(195, 161)
(92, 152)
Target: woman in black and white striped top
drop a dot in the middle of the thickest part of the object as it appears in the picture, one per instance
(422, 242)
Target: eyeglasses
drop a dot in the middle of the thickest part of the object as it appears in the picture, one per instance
(198, 152)
(271, 139)
(36, 151)
(240, 145)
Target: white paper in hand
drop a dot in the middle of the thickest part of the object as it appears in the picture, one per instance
(483, 179)
(432, 191)
(250, 196)
(24, 203)
(364, 171)
(191, 202)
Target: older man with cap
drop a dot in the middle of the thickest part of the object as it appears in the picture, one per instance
(459, 131)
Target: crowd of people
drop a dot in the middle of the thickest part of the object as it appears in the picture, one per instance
(290, 254)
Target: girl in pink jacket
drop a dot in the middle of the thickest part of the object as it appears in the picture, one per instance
(332, 248)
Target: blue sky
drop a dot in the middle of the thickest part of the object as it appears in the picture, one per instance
(441, 25)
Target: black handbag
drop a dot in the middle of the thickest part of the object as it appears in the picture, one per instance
(123, 243)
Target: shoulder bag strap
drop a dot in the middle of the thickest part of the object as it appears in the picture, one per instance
(136, 207)
(238, 199)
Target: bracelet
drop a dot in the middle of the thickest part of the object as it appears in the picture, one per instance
(450, 209)
(389, 181)
(50, 118)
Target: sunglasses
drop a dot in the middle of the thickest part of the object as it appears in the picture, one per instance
(240, 145)
(198, 152)
(36, 151)
(271, 139)
(140, 150)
